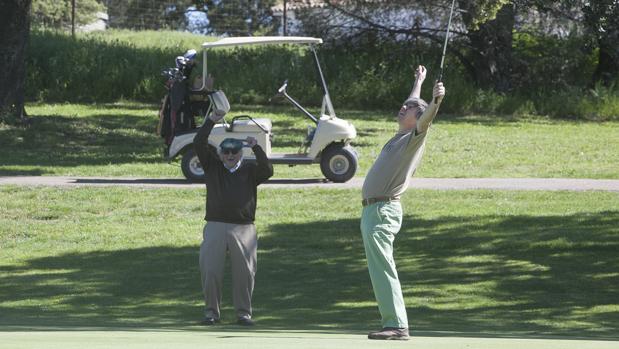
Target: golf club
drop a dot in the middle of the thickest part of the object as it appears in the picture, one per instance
(440, 74)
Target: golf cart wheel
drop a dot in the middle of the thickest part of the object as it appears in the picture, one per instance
(190, 164)
(338, 163)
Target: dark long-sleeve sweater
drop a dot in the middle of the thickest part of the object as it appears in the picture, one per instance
(231, 196)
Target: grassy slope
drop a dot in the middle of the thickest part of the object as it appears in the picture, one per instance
(161, 39)
(119, 140)
(471, 261)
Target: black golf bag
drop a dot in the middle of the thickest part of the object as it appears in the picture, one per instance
(181, 104)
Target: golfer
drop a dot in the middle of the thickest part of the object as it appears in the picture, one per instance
(382, 213)
(230, 212)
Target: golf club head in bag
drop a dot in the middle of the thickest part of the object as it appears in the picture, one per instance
(190, 54)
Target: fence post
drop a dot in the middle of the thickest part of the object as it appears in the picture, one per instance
(73, 19)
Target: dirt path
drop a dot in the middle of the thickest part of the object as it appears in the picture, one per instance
(419, 183)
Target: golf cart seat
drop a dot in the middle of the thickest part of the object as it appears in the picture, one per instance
(250, 125)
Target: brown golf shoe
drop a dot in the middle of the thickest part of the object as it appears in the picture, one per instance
(390, 333)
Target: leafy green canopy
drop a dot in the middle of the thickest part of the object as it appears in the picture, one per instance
(57, 13)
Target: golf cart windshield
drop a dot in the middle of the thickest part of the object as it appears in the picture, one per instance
(327, 106)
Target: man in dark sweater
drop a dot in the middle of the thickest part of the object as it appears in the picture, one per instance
(230, 212)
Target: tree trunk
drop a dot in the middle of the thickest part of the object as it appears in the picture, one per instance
(14, 32)
(607, 70)
(491, 53)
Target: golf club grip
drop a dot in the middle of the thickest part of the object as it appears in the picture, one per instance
(438, 79)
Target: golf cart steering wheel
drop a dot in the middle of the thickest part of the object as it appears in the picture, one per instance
(282, 89)
(281, 92)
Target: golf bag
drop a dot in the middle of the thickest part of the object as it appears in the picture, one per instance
(181, 104)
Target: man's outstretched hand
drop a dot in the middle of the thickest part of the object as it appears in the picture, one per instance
(251, 141)
(438, 92)
(420, 73)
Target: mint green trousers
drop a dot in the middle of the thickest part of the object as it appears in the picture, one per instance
(380, 222)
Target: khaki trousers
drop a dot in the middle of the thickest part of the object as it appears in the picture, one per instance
(240, 240)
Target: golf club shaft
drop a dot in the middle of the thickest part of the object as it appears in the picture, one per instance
(440, 74)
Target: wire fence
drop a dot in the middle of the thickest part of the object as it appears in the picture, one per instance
(217, 17)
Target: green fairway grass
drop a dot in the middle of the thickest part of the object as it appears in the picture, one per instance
(119, 140)
(499, 263)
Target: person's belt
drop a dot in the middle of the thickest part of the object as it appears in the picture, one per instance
(369, 201)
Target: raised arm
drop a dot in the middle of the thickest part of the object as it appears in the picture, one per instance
(206, 152)
(264, 169)
(420, 76)
(428, 115)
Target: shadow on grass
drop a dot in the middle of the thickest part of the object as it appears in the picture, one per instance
(515, 276)
(72, 141)
(10, 172)
(137, 181)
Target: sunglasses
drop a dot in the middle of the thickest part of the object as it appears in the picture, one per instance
(232, 151)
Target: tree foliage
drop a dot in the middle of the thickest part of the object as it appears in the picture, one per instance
(241, 17)
(57, 13)
(229, 17)
(482, 31)
(483, 42)
(405, 16)
(599, 21)
(481, 11)
(148, 14)
(601, 18)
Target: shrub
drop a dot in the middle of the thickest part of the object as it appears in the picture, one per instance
(107, 66)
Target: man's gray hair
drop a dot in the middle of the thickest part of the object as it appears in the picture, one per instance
(418, 103)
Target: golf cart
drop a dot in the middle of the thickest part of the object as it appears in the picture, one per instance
(327, 142)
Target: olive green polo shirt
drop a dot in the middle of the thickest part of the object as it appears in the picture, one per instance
(398, 160)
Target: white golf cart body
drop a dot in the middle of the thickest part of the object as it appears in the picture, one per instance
(332, 135)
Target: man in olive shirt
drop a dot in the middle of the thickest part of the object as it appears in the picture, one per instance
(382, 213)
(230, 212)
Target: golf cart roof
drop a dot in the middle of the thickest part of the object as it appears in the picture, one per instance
(261, 40)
